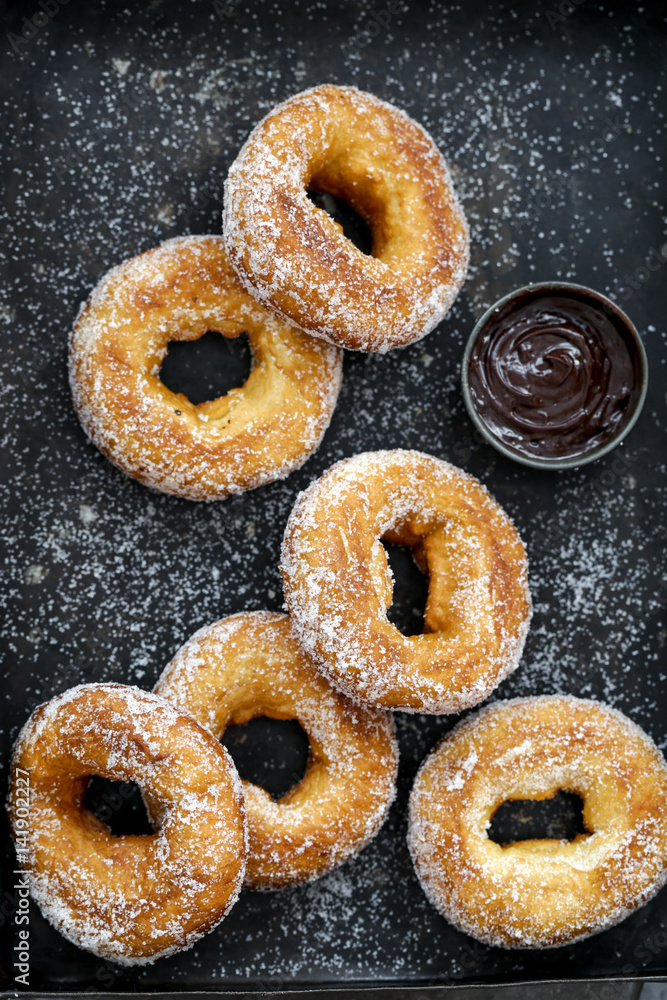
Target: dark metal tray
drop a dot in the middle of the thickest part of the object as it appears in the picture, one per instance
(120, 122)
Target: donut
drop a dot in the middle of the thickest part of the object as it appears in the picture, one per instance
(338, 584)
(253, 435)
(295, 258)
(249, 665)
(130, 899)
(540, 893)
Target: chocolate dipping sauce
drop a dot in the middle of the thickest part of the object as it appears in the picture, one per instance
(552, 374)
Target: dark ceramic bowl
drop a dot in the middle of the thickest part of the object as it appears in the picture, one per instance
(633, 343)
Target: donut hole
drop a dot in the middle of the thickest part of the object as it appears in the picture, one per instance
(119, 805)
(271, 753)
(354, 227)
(207, 368)
(406, 611)
(560, 817)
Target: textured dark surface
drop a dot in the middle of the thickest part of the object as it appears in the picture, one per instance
(120, 121)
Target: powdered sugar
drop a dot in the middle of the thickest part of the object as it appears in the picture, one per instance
(102, 167)
(130, 899)
(320, 280)
(250, 664)
(251, 436)
(542, 893)
(473, 638)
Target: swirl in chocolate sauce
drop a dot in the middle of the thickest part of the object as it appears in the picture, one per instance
(552, 376)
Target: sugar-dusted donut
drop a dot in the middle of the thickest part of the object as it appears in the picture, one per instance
(250, 665)
(130, 899)
(296, 259)
(253, 435)
(338, 584)
(540, 893)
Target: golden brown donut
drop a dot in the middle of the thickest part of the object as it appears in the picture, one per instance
(130, 899)
(250, 665)
(295, 258)
(540, 893)
(338, 584)
(255, 434)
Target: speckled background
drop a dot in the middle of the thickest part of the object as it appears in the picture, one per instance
(119, 124)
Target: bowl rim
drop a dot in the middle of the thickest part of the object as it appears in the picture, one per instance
(572, 461)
